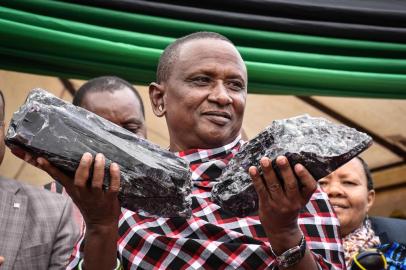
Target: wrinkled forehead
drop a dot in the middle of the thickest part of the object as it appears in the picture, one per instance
(209, 50)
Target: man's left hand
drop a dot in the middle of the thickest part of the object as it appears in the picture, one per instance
(281, 201)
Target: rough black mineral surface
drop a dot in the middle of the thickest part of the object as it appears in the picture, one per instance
(152, 179)
(321, 146)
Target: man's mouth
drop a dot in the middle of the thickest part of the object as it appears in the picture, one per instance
(218, 117)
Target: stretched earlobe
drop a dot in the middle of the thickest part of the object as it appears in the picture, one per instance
(156, 96)
(160, 111)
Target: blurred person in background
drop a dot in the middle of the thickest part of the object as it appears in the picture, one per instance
(116, 100)
(36, 226)
(351, 192)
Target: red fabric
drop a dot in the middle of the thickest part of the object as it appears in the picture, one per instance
(211, 238)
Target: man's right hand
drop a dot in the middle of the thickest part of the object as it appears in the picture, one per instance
(1, 260)
(98, 207)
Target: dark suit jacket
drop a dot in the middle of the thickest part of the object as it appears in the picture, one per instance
(37, 230)
(389, 229)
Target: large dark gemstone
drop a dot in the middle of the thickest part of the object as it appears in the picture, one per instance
(318, 144)
(152, 179)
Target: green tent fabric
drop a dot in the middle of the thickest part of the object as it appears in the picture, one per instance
(75, 41)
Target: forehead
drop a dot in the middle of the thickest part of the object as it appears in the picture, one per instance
(352, 168)
(211, 54)
(122, 102)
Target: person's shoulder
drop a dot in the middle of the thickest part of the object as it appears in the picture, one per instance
(389, 229)
(23, 189)
(379, 223)
(44, 208)
(10, 185)
(40, 191)
(41, 198)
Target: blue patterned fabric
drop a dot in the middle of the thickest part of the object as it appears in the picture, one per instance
(395, 254)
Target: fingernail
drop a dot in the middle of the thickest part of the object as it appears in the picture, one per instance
(252, 170)
(87, 155)
(99, 156)
(265, 162)
(281, 160)
(299, 169)
(114, 165)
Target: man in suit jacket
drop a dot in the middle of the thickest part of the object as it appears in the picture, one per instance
(37, 230)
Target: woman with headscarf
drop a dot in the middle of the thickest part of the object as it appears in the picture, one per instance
(351, 193)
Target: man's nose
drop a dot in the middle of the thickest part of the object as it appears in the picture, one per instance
(220, 94)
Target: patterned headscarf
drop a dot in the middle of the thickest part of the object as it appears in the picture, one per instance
(360, 239)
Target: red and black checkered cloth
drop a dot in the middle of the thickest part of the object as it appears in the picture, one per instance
(213, 239)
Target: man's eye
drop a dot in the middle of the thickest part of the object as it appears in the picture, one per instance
(235, 85)
(133, 129)
(201, 80)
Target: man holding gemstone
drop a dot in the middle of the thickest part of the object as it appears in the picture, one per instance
(201, 90)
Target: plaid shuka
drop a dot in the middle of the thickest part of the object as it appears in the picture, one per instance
(211, 238)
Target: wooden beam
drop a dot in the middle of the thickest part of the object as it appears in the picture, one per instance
(388, 166)
(68, 86)
(390, 178)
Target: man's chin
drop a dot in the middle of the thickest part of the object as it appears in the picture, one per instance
(218, 139)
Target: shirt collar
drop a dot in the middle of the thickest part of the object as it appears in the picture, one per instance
(201, 155)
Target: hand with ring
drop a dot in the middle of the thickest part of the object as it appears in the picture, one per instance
(280, 200)
(98, 206)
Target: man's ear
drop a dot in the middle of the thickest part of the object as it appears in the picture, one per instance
(157, 98)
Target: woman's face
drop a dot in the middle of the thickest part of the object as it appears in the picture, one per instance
(348, 192)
